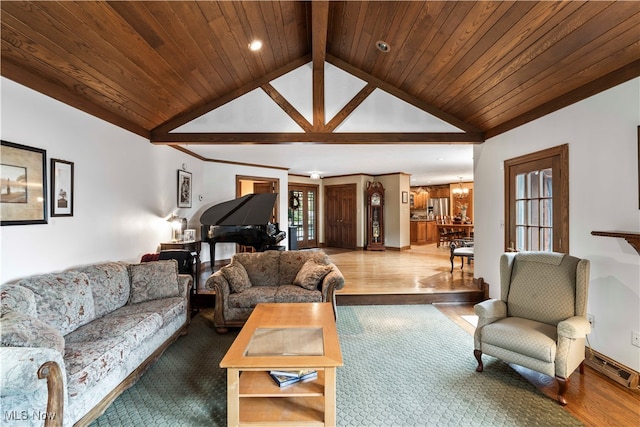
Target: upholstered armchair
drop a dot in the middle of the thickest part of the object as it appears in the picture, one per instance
(540, 321)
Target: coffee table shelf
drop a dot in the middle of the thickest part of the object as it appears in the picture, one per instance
(260, 384)
(294, 411)
(288, 337)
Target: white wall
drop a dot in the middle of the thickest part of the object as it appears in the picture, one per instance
(603, 195)
(396, 214)
(125, 188)
(219, 185)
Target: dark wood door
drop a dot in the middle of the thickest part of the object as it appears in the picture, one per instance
(340, 216)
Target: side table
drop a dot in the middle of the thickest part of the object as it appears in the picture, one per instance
(193, 247)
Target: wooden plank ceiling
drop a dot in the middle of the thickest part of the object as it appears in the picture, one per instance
(485, 66)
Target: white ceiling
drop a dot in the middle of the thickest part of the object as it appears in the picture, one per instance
(380, 112)
(427, 164)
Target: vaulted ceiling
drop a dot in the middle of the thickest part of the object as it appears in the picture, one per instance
(485, 67)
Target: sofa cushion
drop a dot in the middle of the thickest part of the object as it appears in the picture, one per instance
(252, 297)
(153, 280)
(167, 308)
(63, 300)
(522, 336)
(262, 267)
(19, 330)
(87, 362)
(531, 287)
(236, 275)
(133, 327)
(19, 299)
(311, 274)
(109, 284)
(292, 293)
(292, 261)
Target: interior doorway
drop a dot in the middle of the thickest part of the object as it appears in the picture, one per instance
(303, 214)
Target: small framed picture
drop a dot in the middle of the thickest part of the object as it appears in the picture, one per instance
(405, 197)
(61, 188)
(189, 235)
(184, 189)
(23, 184)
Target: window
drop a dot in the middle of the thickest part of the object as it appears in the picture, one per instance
(537, 201)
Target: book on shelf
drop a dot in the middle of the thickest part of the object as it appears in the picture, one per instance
(285, 378)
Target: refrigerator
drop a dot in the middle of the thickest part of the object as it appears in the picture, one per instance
(438, 206)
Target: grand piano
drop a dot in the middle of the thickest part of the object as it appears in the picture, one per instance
(245, 221)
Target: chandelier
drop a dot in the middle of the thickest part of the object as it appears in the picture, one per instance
(460, 192)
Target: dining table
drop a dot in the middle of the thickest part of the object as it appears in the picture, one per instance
(467, 228)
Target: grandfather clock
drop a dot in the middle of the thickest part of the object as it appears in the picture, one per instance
(375, 216)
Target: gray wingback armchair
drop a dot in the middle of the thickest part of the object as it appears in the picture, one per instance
(540, 321)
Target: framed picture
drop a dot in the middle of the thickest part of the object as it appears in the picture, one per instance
(184, 189)
(61, 188)
(405, 197)
(23, 192)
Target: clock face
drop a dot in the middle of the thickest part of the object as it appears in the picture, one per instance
(375, 199)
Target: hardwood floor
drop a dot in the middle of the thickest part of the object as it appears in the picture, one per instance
(422, 275)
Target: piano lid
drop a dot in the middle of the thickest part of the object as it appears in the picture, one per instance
(252, 209)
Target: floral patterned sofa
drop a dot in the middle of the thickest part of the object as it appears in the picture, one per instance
(90, 332)
(271, 276)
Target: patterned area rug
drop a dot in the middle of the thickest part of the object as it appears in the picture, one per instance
(404, 365)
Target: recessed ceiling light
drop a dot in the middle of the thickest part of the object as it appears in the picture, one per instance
(383, 46)
(255, 45)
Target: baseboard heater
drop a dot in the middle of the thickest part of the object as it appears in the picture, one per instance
(612, 369)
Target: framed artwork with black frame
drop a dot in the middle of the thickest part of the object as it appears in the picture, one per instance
(61, 188)
(184, 189)
(23, 184)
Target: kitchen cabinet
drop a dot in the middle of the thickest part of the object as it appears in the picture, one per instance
(419, 232)
(422, 232)
(419, 199)
(432, 232)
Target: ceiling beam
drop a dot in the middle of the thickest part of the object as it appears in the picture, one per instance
(204, 109)
(319, 138)
(350, 107)
(287, 107)
(319, 26)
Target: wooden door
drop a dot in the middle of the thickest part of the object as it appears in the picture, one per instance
(340, 216)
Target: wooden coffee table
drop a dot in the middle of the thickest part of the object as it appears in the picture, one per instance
(289, 337)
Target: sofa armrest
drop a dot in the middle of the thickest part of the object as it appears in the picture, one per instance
(33, 380)
(19, 369)
(574, 327)
(185, 283)
(333, 281)
(219, 284)
(488, 311)
(571, 343)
